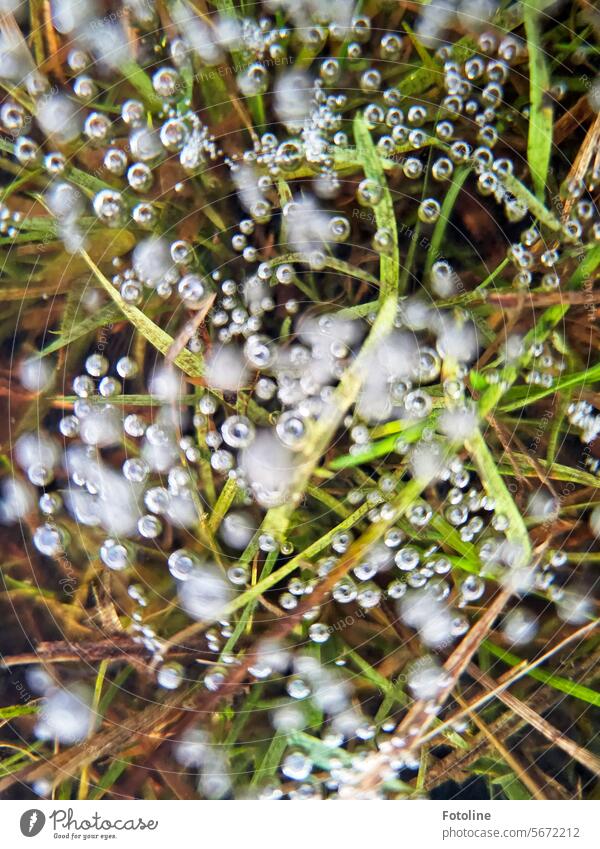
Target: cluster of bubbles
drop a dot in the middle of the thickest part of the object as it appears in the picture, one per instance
(585, 418)
(266, 391)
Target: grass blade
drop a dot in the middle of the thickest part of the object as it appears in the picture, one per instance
(190, 364)
(539, 140)
(384, 210)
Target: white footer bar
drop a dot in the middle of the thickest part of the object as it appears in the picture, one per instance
(273, 825)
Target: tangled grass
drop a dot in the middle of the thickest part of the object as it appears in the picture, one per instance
(300, 368)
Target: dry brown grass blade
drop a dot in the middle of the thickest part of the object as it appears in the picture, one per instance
(552, 734)
(508, 723)
(53, 59)
(515, 674)
(117, 648)
(189, 329)
(572, 120)
(173, 779)
(505, 437)
(582, 161)
(422, 714)
(455, 765)
(513, 762)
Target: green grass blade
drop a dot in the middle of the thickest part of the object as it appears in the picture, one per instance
(13, 711)
(571, 688)
(107, 315)
(539, 140)
(190, 364)
(495, 486)
(384, 211)
(439, 231)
